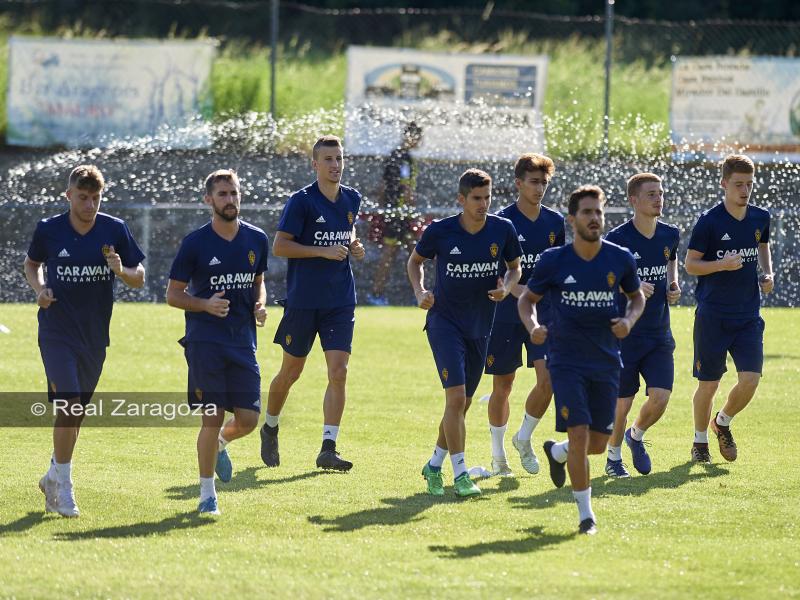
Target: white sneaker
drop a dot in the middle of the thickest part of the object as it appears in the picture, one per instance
(500, 467)
(526, 455)
(66, 506)
(49, 488)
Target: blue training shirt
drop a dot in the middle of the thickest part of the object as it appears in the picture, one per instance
(730, 294)
(314, 220)
(584, 300)
(535, 237)
(467, 268)
(78, 274)
(211, 264)
(652, 255)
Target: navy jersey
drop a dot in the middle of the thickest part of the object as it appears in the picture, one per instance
(652, 255)
(584, 300)
(78, 274)
(211, 264)
(730, 294)
(467, 268)
(314, 220)
(535, 237)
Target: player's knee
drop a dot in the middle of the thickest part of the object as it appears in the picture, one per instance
(659, 398)
(247, 421)
(289, 374)
(707, 388)
(502, 386)
(337, 373)
(749, 380)
(456, 403)
(597, 446)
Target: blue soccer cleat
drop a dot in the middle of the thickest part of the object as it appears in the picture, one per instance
(209, 506)
(224, 468)
(641, 460)
(615, 468)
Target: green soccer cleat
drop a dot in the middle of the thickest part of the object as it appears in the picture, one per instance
(465, 487)
(434, 479)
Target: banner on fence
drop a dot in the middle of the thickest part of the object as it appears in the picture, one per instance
(469, 106)
(724, 101)
(86, 93)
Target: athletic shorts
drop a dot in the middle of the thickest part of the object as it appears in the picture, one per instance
(715, 337)
(459, 360)
(71, 372)
(224, 376)
(585, 397)
(504, 355)
(299, 328)
(650, 357)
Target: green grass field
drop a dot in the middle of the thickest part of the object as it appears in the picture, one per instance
(684, 531)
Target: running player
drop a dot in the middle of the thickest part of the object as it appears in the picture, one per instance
(83, 251)
(469, 249)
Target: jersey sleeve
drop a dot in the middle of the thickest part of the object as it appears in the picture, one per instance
(700, 235)
(262, 263)
(426, 246)
(129, 251)
(512, 249)
(293, 217)
(184, 264)
(629, 282)
(765, 234)
(542, 274)
(673, 251)
(37, 251)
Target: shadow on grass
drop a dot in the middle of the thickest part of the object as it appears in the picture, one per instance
(186, 520)
(242, 480)
(399, 511)
(29, 521)
(536, 540)
(634, 486)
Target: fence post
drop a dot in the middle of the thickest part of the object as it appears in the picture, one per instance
(609, 41)
(273, 55)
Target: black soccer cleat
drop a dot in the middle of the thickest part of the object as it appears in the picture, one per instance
(700, 453)
(269, 446)
(558, 471)
(329, 459)
(587, 527)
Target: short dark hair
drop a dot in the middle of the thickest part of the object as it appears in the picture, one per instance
(585, 191)
(635, 183)
(86, 177)
(472, 178)
(331, 141)
(228, 175)
(737, 163)
(527, 163)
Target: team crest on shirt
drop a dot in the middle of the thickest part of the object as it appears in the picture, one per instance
(666, 253)
(251, 256)
(288, 340)
(758, 235)
(350, 217)
(444, 374)
(493, 249)
(564, 413)
(611, 278)
(552, 238)
(490, 360)
(199, 393)
(107, 249)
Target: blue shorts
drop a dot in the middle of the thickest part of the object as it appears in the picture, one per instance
(459, 360)
(585, 397)
(715, 336)
(299, 328)
(224, 376)
(71, 372)
(504, 355)
(650, 357)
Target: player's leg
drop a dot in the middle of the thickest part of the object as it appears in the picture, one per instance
(711, 343)
(503, 358)
(207, 450)
(614, 464)
(455, 432)
(535, 405)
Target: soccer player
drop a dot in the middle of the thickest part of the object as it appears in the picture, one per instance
(583, 279)
(317, 235)
(649, 347)
(217, 277)
(728, 244)
(468, 248)
(538, 228)
(83, 252)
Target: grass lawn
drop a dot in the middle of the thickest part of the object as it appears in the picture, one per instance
(728, 530)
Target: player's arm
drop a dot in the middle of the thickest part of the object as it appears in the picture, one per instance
(132, 276)
(260, 307)
(356, 248)
(509, 281)
(286, 247)
(673, 286)
(526, 307)
(695, 265)
(416, 275)
(179, 297)
(34, 273)
(767, 279)
(621, 326)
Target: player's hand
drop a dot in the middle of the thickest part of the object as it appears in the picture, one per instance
(45, 298)
(766, 282)
(647, 289)
(621, 327)
(425, 299)
(260, 313)
(357, 249)
(673, 293)
(113, 261)
(518, 290)
(539, 334)
(337, 252)
(498, 294)
(217, 305)
(731, 262)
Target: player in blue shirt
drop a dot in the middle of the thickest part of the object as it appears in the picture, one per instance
(649, 347)
(217, 277)
(316, 233)
(538, 228)
(469, 249)
(583, 280)
(728, 244)
(83, 252)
